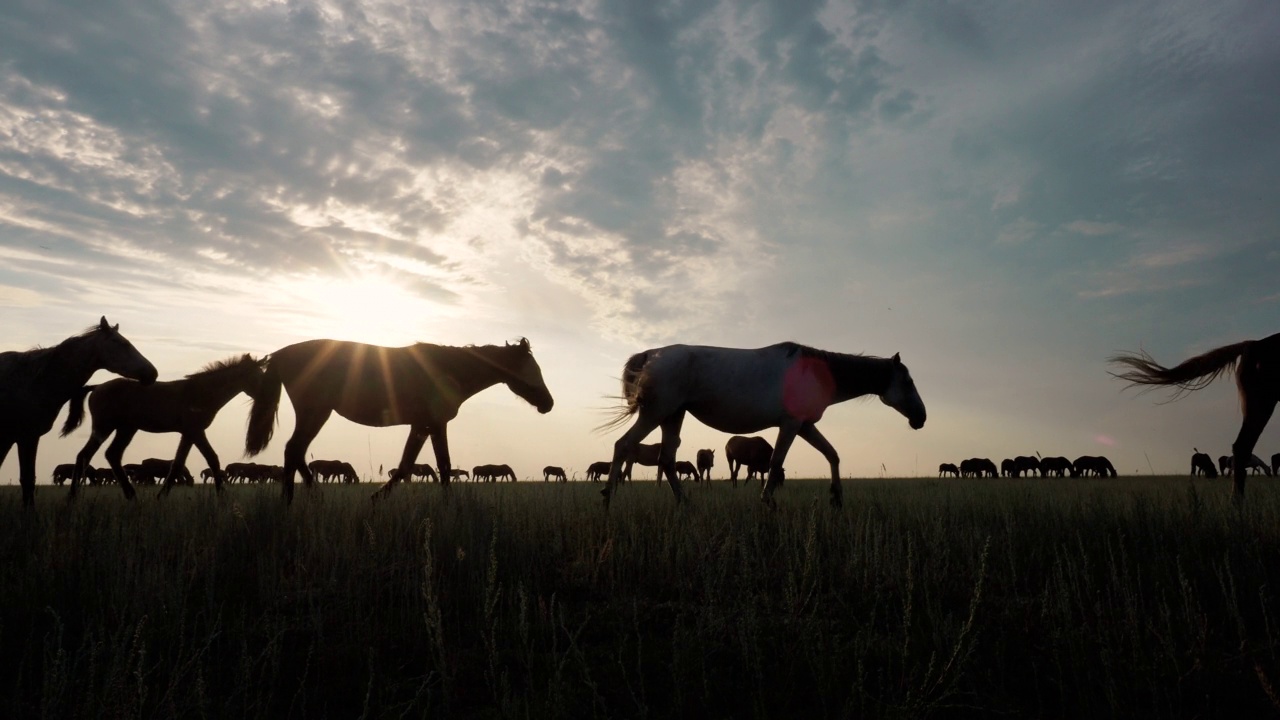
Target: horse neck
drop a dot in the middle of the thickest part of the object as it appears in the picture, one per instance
(214, 389)
(856, 375)
(472, 368)
(69, 365)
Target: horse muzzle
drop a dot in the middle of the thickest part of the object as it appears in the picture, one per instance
(916, 423)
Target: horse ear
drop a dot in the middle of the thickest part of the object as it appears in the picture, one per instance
(524, 344)
(102, 324)
(896, 359)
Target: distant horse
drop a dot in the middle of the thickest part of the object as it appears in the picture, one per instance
(63, 473)
(35, 384)
(1097, 465)
(186, 406)
(422, 471)
(643, 454)
(551, 471)
(1257, 368)
(787, 386)
(1026, 464)
(153, 470)
(331, 470)
(1201, 463)
(420, 385)
(978, 467)
(686, 470)
(948, 469)
(493, 473)
(755, 453)
(598, 470)
(1255, 464)
(1008, 468)
(1224, 464)
(205, 475)
(459, 473)
(1058, 466)
(100, 476)
(706, 460)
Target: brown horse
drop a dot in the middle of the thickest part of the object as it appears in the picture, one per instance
(597, 470)
(335, 470)
(1096, 465)
(686, 470)
(948, 469)
(706, 460)
(422, 471)
(754, 453)
(35, 384)
(551, 471)
(1201, 463)
(1257, 367)
(186, 406)
(420, 385)
(643, 454)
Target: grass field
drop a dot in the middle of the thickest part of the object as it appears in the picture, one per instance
(1136, 597)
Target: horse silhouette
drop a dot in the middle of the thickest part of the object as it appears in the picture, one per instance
(686, 470)
(551, 471)
(598, 470)
(1201, 463)
(787, 386)
(335, 470)
(1257, 369)
(420, 385)
(1058, 466)
(978, 467)
(422, 471)
(1026, 464)
(1096, 465)
(706, 460)
(187, 406)
(753, 453)
(1008, 468)
(948, 469)
(35, 384)
(1255, 464)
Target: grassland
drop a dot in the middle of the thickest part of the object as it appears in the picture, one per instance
(1145, 597)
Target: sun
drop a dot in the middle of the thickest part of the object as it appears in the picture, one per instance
(365, 307)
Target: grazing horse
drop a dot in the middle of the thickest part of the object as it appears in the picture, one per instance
(643, 454)
(35, 384)
(686, 470)
(63, 473)
(551, 471)
(1026, 464)
(948, 469)
(422, 471)
(186, 406)
(753, 452)
(978, 467)
(459, 473)
(1224, 464)
(1201, 463)
(1058, 466)
(329, 470)
(1008, 468)
(1255, 464)
(598, 470)
(1257, 368)
(420, 385)
(706, 460)
(1092, 464)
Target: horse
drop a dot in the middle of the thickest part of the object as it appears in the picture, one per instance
(458, 473)
(643, 454)
(329, 470)
(420, 385)
(686, 470)
(598, 470)
(1026, 464)
(787, 386)
(422, 471)
(34, 385)
(1058, 466)
(1255, 464)
(63, 473)
(1201, 463)
(153, 470)
(1257, 368)
(551, 471)
(753, 452)
(978, 467)
(186, 406)
(1008, 468)
(706, 460)
(948, 469)
(1224, 464)
(1095, 464)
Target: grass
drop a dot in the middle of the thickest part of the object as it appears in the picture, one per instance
(1147, 597)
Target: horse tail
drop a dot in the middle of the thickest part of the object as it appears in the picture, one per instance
(1191, 375)
(262, 418)
(75, 414)
(632, 398)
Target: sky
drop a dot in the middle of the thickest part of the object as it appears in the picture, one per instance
(1005, 193)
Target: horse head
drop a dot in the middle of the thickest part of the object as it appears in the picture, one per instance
(116, 354)
(901, 395)
(524, 377)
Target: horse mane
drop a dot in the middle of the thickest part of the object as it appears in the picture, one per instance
(219, 365)
(850, 370)
(457, 359)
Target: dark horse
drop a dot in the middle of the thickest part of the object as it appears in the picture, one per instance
(35, 384)
(706, 461)
(753, 453)
(1257, 368)
(1202, 463)
(186, 406)
(787, 386)
(420, 385)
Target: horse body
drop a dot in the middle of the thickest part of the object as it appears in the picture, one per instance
(706, 460)
(334, 470)
(948, 469)
(35, 384)
(686, 470)
(1057, 465)
(421, 385)
(186, 406)
(1026, 464)
(1008, 468)
(754, 453)
(1257, 368)
(598, 470)
(551, 471)
(1202, 464)
(978, 467)
(1096, 465)
(1254, 463)
(787, 386)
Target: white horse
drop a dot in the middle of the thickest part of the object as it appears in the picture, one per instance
(787, 386)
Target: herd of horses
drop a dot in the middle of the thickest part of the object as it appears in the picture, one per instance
(787, 386)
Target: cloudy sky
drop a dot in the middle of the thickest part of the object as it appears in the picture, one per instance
(1004, 192)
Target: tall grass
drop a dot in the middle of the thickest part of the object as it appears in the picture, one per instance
(921, 598)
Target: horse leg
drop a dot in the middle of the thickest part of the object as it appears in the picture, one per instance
(114, 454)
(667, 452)
(82, 460)
(624, 447)
(1257, 411)
(809, 432)
(412, 446)
(440, 445)
(306, 426)
(179, 460)
(27, 469)
(786, 436)
(733, 472)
